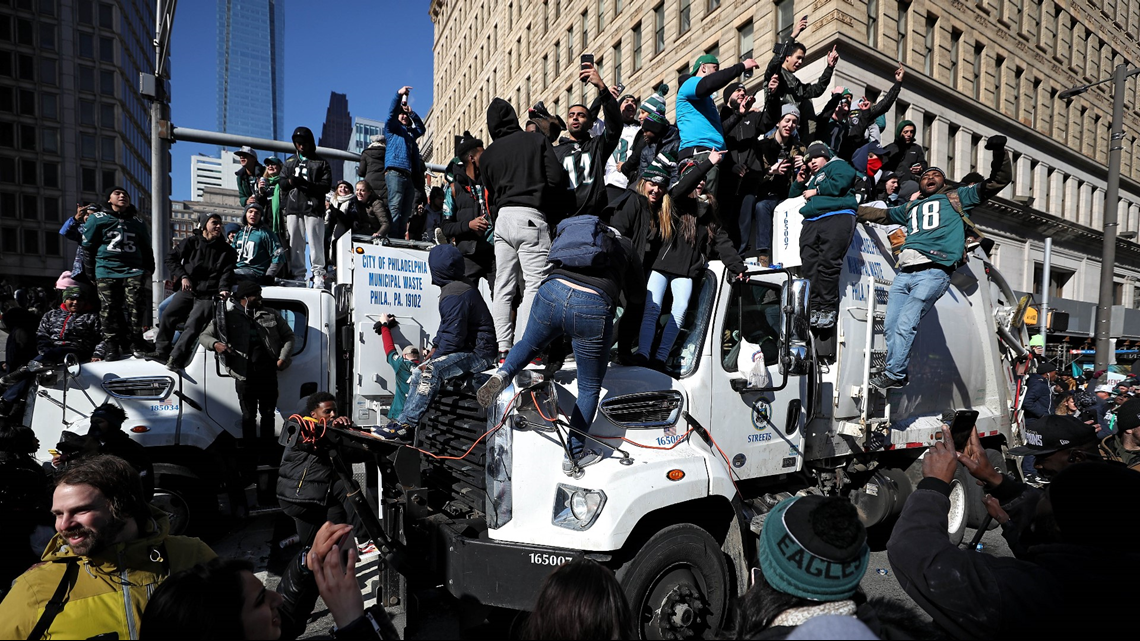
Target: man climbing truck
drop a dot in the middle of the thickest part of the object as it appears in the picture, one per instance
(745, 413)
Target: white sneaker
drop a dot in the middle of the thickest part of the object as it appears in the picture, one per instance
(440, 237)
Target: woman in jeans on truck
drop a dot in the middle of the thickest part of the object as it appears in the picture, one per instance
(578, 303)
(686, 232)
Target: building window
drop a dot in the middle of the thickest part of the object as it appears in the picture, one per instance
(684, 16)
(86, 46)
(107, 50)
(107, 115)
(86, 13)
(979, 57)
(545, 16)
(1033, 107)
(904, 15)
(545, 71)
(50, 173)
(570, 47)
(928, 57)
(601, 13)
(29, 173)
(24, 33)
(49, 106)
(29, 207)
(744, 40)
(617, 64)
(713, 5)
(87, 146)
(659, 28)
(31, 241)
(51, 244)
(47, 36)
(999, 81)
(87, 178)
(585, 31)
(47, 71)
(86, 113)
(27, 137)
(7, 134)
(637, 47)
(107, 83)
(955, 47)
(617, 6)
(872, 23)
(7, 171)
(7, 99)
(1017, 75)
(50, 140)
(86, 79)
(107, 148)
(51, 210)
(785, 18)
(27, 103)
(27, 67)
(557, 58)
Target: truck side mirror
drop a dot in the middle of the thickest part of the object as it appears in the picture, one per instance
(71, 365)
(796, 294)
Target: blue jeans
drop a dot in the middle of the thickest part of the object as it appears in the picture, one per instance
(424, 384)
(756, 222)
(912, 296)
(401, 200)
(682, 289)
(588, 319)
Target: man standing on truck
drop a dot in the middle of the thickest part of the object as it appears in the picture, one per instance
(464, 344)
(468, 220)
(306, 179)
(583, 156)
(98, 572)
(935, 246)
(403, 363)
(257, 344)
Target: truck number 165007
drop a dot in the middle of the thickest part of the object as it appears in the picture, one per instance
(549, 559)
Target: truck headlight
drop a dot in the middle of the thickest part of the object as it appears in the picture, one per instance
(577, 508)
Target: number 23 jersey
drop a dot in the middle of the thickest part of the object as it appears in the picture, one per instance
(120, 242)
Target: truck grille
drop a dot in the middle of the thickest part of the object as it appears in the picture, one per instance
(454, 422)
(143, 387)
(648, 409)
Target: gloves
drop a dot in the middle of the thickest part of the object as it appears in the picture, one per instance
(378, 324)
(995, 143)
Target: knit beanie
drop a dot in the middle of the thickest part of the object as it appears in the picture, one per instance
(819, 150)
(789, 109)
(707, 59)
(232, 228)
(65, 280)
(660, 170)
(814, 547)
(246, 288)
(654, 106)
(465, 143)
(729, 90)
(75, 291)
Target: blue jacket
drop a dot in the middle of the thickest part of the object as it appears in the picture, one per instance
(1038, 398)
(73, 230)
(465, 323)
(402, 151)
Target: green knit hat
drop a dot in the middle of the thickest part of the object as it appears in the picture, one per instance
(707, 59)
(814, 547)
(661, 170)
(654, 106)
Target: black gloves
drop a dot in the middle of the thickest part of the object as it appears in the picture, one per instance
(995, 143)
(378, 324)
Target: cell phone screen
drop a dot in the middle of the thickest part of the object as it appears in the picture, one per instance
(346, 543)
(964, 422)
(587, 58)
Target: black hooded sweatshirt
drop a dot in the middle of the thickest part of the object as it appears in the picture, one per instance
(585, 161)
(306, 182)
(209, 264)
(519, 168)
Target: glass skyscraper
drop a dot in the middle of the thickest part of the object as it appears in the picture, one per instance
(251, 68)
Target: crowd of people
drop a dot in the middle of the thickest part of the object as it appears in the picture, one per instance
(567, 220)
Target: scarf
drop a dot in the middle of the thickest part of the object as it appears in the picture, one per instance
(798, 616)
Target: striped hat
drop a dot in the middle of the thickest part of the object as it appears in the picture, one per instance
(661, 170)
(655, 106)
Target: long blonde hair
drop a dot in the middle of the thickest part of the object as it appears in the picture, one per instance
(662, 223)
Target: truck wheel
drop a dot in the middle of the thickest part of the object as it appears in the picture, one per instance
(976, 493)
(190, 506)
(677, 585)
(959, 505)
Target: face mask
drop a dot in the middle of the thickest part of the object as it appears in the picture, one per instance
(874, 165)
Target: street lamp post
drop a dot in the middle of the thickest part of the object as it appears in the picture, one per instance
(1111, 201)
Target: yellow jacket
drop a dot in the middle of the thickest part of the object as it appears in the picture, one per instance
(111, 589)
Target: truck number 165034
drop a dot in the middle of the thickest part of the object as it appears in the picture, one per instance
(549, 559)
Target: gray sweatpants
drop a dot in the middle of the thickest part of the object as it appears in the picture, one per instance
(522, 244)
(306, 230)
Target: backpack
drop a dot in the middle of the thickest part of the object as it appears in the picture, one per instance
(584, 242)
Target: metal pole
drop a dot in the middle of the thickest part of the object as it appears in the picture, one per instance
(1111, 201)
(159, 201)
(1045, 280)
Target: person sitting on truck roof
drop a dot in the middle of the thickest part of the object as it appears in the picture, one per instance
(110, 552)
(827, 184)
(203, 267)
(577, 303)
(935, 246)
(308, 488)
(402, 362)
(687, 235)
(224, 599)
(465, 342)
(260, 255)
(984, 596)
(468, 219)
(255, 344)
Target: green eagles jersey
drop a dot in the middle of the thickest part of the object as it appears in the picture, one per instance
(934, 228)
(121, 245)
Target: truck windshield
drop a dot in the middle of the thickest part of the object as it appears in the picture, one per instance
(752, 320)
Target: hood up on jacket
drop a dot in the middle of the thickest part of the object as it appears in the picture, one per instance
(205, 217)
(502, 119)
(446, 264)
(899, 128)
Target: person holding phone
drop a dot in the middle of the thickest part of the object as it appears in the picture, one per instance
(784, 87)
(584, 157)
(402, 160)
(467, 221)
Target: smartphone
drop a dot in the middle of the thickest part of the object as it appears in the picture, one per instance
(620, 87)
(960, 428)
(346, 543)
(747, 72)
(587, 59)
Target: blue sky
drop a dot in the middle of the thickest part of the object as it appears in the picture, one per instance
(365, 48)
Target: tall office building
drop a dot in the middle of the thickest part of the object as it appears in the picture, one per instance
(337, 130)
(72, 121)
(362, 131)
(213, 171)
(975, 69)
(251, 68)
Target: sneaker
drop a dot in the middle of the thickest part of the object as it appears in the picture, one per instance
(172, 366)
(826, 320)
(503, 355)
(368, 547)
(813, 319)
(112, 353)
(884, 382)
(490, 390)
(589, 458)
(155, 356)
(440, 237)
(640, 360)
(395, 431)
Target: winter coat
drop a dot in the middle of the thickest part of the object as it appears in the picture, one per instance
(633, 219)
(402, 151)
(247, 182)
(369, 217)
(470, 200)
(306, 476)
(259, 249)
(900, 155)
(117, 244)
(679, 257)
(519, 168)
(272, 200)
(371, 169)
(465, 323)
(854, 129)
(80, 331)
(111, 587)
(642, 153)
(1038, 397)
(792, 90)
(72, 230)
(306, 181)
(975, 595)
(835, 184)
(274, 332)
(21, 345)
(209, 264)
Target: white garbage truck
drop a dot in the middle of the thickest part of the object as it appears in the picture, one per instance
(694, 455)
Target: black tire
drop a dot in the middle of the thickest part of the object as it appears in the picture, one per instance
(680, 569)
(959, 505)
(975, 494)
(190, 506)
